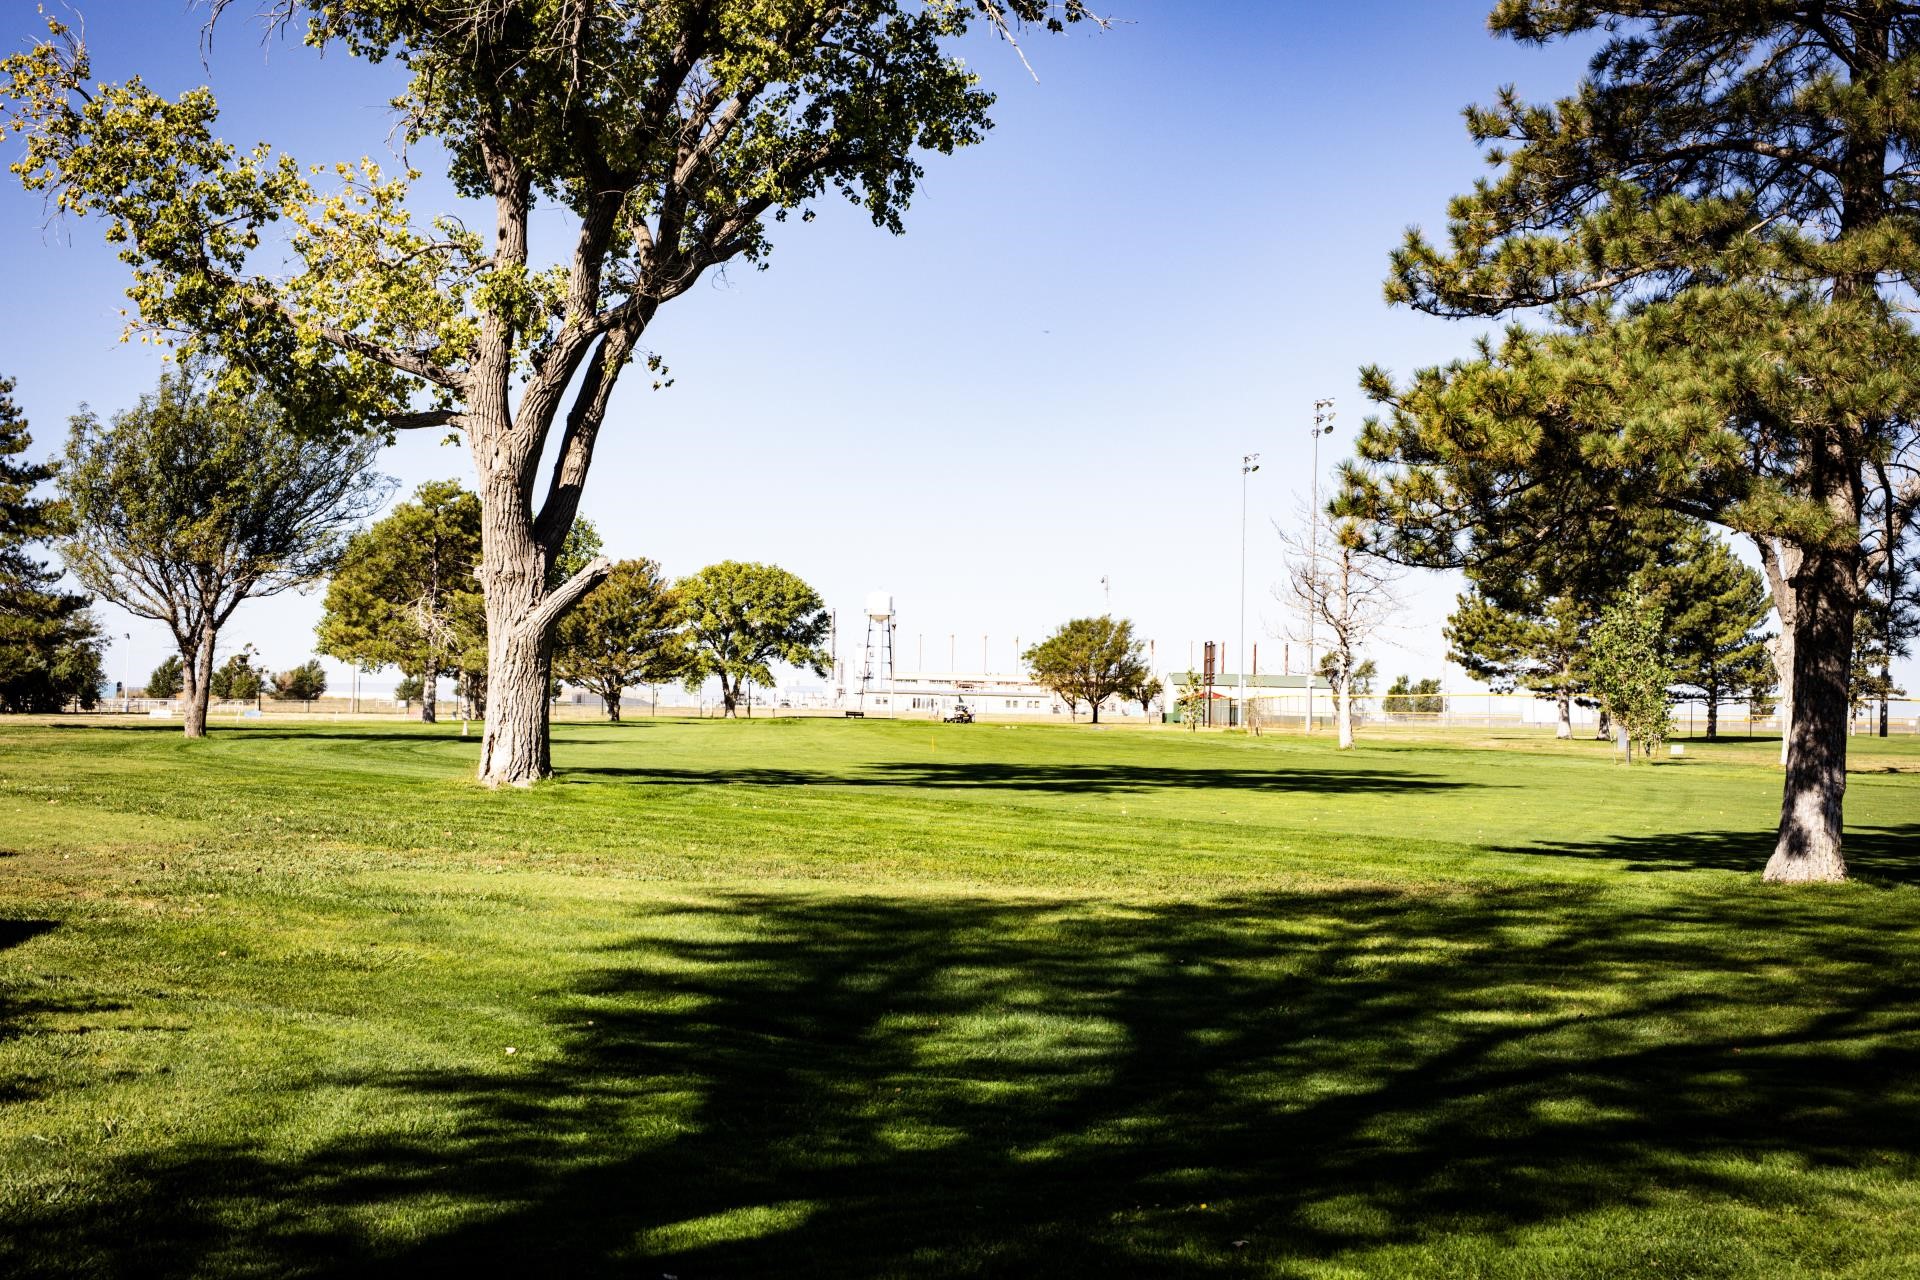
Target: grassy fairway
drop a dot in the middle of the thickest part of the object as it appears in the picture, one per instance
(845, 1000)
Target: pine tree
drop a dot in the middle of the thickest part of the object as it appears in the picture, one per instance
(167, 679)
(1714, 608)
(1539, 646)
(49, 643)
(1715, 227)
(304, 683)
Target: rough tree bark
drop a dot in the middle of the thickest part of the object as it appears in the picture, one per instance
(1563, 726)
(196, 659)
(1808, 846)
(1781, 563)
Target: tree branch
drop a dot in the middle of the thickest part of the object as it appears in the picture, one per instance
(424, 418)
(565, 596)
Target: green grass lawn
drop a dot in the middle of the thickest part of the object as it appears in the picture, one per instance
(838, 999)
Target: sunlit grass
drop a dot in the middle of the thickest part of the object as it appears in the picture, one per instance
(819, 998)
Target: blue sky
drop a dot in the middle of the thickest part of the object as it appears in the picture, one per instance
(1169, 246)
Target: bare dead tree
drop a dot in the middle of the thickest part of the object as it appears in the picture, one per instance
(1337, 595)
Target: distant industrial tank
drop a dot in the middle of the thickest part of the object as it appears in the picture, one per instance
(880, 605)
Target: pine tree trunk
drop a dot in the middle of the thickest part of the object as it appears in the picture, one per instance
(429, 696)
(1781, 651)
(1808, 848)
(1713, 716)
(1563, 728)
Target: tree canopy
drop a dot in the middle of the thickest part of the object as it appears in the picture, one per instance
(238, 679)
(1631, 671)
(303, 683)
(49, 643)
(659, 141)
(741, 618)
(397, 594)
(624, 632)
(1714, 233)
(1714, 609)
(1090, 660)
(166, 680)
(196, 500)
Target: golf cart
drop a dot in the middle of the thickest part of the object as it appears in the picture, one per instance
(961, 714)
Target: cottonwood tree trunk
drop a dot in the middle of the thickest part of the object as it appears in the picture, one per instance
(429, 695)
(521, 614)
(612, 700)
(197, 662)
(1563, 728)
(1808, 847)
(513, 745)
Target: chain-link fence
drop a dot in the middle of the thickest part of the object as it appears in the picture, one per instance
(1282, 709)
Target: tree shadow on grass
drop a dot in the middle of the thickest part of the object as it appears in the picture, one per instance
(21, 1005)
(1875, 855)
(818, 1086)
(1066, 779)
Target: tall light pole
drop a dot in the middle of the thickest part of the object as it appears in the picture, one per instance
(1323, 416)
(126, 676)
(1249, 463)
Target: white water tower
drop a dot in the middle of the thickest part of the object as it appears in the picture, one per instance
(876, 670)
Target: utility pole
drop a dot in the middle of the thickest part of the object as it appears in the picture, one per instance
(1249, 463)
(1323, 416)
(126, 676)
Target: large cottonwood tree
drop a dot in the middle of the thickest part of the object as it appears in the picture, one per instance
(658, 139)
(1717, 229)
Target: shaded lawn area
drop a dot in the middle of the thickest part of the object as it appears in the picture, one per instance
(828, 999)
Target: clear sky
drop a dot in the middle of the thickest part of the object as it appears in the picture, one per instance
(1169, 246)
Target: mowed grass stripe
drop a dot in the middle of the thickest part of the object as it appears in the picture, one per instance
(841, 999)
